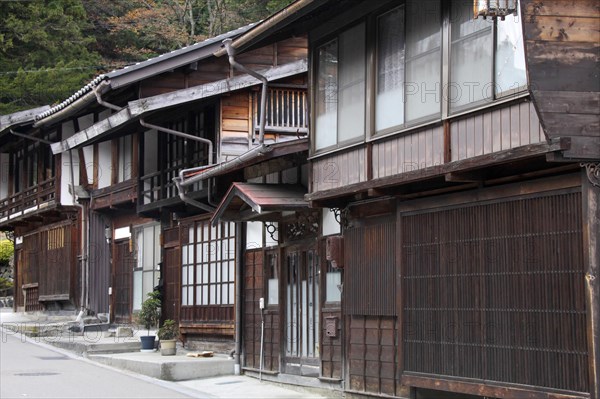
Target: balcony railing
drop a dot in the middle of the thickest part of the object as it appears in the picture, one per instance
(30, 198)
(158, 186)
(286, 111)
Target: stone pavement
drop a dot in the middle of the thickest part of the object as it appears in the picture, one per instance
(197, 377)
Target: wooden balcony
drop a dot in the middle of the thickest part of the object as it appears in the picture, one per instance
(286, 111)
(32, 199)
(120, 195)
(157, 189)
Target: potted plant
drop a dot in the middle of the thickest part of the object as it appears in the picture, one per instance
(149, 317)
(167, 334)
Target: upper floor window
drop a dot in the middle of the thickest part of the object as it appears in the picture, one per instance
(340, 94)
(431, 60)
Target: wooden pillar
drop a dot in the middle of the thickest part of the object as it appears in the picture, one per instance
(591, 245)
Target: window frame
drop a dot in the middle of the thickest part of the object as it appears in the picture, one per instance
(335, 36)
(225, 293)
(371, 80)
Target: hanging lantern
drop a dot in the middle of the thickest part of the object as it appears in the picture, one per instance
(494, 8)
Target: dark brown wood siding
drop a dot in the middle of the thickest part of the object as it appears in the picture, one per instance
(171, 274)
(99, 264)
(331, 347)
(494, 291)
(339, 170)
(562, 49)
(370, 259)
(372, 355)
(253, 290)
(409, 152)
(495, 130)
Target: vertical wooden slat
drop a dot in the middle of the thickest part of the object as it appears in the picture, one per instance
(499, 264)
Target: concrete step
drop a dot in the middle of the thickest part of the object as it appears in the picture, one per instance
(169, 368)
(89, 348)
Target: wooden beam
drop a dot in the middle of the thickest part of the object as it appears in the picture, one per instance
(482, 161)
(496, 390)
(590, 186)
(465, 177)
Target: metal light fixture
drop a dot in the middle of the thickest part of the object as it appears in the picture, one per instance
(494, 8)
(107, 234)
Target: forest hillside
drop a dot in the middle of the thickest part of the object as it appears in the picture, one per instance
(51, 48)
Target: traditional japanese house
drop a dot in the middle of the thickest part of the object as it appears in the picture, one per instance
(453, 174)
(38, 210)
(185, 110)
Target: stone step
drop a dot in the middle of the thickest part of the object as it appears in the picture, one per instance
(169, 368)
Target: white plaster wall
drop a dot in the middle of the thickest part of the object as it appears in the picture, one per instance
(65, 177)
(85, 121)
(4, 165)
(330, 225)
(104, 164)
(254, 235)
(88, 155)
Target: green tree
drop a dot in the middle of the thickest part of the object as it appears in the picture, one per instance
(44, 55)
(6, 253)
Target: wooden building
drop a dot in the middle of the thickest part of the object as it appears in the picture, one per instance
(148, 124)
(37, 208)
(453, 178)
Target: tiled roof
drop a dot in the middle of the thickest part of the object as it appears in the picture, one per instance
(128, 69)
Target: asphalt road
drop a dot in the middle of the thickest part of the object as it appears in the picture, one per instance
(30, 370)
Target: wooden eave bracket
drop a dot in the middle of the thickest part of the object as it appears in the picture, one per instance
(579, 149)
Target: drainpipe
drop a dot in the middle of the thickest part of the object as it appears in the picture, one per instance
(262, 78)
(82, 256)
(179, 181)
(99, 99)
(239, 277)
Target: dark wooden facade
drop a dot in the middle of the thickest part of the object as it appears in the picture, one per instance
(469, 240)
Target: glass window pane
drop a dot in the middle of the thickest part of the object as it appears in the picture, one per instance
(333, 293)
(205, 274)
(351, 90)
(423, 60)
(191, 235)
(184, 297)
(137, 290)
(470, 57)
(326, 96)
(231, 293)
(205, 295)
(184, 255)
(273, 298)
(184, 274)
(148, 245)
(389, 111)
(510, 56)
(212, 294)
(198, 295)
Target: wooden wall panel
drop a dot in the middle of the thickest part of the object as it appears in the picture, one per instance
(408, 152)
(331, 348)
(253, 290)
(370, 262)
(339, 170)
(495, 130)
(372, 349)
(495, 292)
(236, 124)
(99, 264)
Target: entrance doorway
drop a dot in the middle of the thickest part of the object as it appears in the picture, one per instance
(302, 311)
(122, 283)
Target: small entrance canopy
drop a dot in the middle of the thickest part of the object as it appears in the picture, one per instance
(264, 202)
